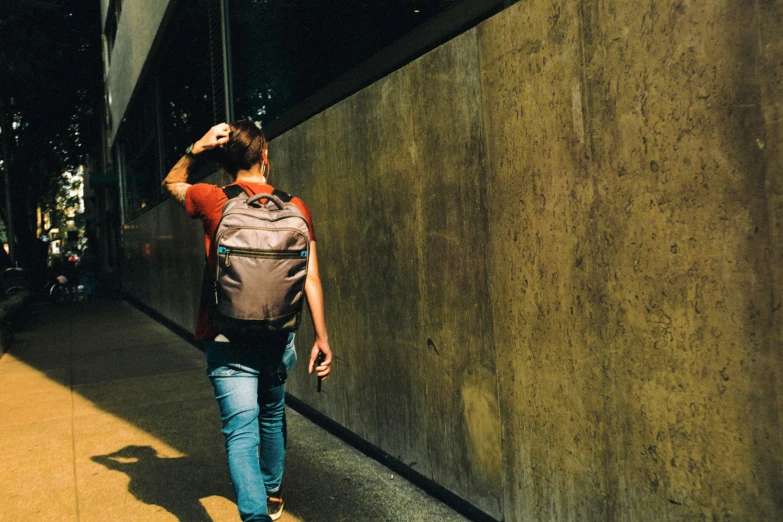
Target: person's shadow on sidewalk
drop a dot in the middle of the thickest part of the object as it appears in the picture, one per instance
(175, 484)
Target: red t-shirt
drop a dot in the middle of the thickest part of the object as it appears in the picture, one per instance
(205, 201)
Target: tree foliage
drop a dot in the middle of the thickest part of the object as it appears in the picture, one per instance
(50, 98)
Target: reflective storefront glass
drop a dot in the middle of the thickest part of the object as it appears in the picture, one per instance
(283, 56)
(173, 106)
(283, 52)
(142, 153)
(185, 79)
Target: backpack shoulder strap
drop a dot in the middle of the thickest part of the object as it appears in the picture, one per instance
(233, 191)
(284, 196)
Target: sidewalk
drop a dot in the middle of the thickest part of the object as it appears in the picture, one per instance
(106, 415)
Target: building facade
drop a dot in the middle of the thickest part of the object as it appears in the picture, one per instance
(550, 232)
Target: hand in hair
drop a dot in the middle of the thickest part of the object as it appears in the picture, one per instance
(215, 137)
(177, 180)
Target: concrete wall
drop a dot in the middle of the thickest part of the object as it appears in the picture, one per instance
(630, 269)
(136, 34)
(771, 83)
(551, 256)
(395, 178)
(164, 260)
(104, 12)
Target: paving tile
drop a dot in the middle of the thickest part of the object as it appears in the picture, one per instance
(328, 480)
(154, 476)
(37, 471)
(121, 397)
(224, 510)
(123, 337)
(137, 362)
(139, 437)
(35, 404)
(21, 377)
(39, 356)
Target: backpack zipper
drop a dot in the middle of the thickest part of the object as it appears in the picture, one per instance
(302, 254)
(264, 254)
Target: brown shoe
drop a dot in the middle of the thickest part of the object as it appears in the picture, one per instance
(274, 507)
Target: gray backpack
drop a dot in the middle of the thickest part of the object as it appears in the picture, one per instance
(263, 246)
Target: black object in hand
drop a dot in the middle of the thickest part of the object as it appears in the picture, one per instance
(318, 360)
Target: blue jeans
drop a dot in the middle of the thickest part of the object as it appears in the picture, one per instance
(249, 384)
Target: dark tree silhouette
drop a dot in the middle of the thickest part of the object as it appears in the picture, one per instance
(50, 95)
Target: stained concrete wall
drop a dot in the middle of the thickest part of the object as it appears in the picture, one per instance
(104, 12)
(396, 182)
(631, 277)
(551, 257)
(163, 262)
(771, 83)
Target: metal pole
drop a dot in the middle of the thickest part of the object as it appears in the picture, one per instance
(227, 79)
(4, 130)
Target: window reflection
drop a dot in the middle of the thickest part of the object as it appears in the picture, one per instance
(184, 74)
(174, 105)
(141, 152)
(283, 51)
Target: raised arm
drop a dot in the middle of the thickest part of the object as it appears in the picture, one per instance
(315, 300)
(176, 181)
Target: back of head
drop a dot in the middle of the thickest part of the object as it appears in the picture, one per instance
(245, 147)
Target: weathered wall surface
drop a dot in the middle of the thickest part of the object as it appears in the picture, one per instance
(395, 178)
(630, 274)
(164, 262)
(771, 83)
(551, 251)
(104, 11)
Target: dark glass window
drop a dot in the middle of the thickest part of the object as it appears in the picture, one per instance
(175, 104)
(142, 159)
(185, 79)
(282, 52)
(112, 19)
